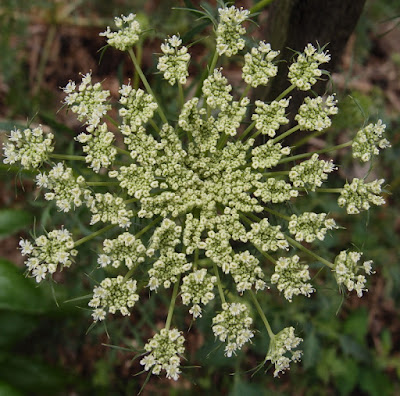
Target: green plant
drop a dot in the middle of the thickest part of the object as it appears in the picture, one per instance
(201, 195)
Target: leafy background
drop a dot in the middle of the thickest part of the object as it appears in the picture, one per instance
(351, 345)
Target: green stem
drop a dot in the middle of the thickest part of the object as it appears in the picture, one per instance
(330, 190)
(245, 92)
(44, 58)
(122, 151)
(172, 304)
(196, 259)
(221, 292)
(115, 123)
(285, 92)
(94, 235)
(275, 213)
(255, 134)
(247, 130)
(101, 183)
(305, 139)
(260, 5)
(68, 157)
(145, 229)
(131, 200)
(213, 62)
(287, 133)
(222, 141)
(325, 150)
(309, 252)
(262, 315)
(146, 84)
(154, 125)
(139, 53)
(181, 95)
(277, 173)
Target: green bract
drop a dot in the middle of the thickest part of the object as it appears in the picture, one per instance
(207, 191)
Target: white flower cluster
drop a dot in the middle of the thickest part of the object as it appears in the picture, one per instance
(281, 344)
(267, 237)
(218, 249)
(116, 294)
(268, 155)
(30, 147)
(126, 36)
(98, 147)
(246, 272)
(309, 226)
(369, 140)
(216, 90)
(290, 277)
(314, 113)
(137, 181)
(196, 288)
(358, 195)
(48, 252)
(89, 102)
(174, 62)
(109, 208)
(166, 236)
(229, 30)
(167, 268)
(233, 326)
(230, 117)
(258, 67)
(137, 108)
(274, 191)
(311, 173)
(304, 72)
(67, 191)
(346, 269)
(164, 350)
(124, 249)
(270, 117)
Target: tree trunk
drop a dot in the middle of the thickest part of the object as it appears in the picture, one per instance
(292, 24)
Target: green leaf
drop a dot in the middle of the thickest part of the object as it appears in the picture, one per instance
(32, 376)
(312, 348)
(15, 327)
(19, 294)
(13, 220)
(241, 388)
(357, 325)
(375, 383)
(8, 390)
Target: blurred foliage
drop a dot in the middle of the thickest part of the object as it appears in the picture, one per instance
(350, 345)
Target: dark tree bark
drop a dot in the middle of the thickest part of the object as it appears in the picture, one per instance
(295, 23)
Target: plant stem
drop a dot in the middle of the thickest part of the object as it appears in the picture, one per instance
(94, 235)
(262, 315)
(247, 130)
(146, 84)
(260, 5)
(213, 62)
(325, 150)
(68, 157)
(154, 125)
(287, 133)
(131, 200)
(101, 183)
(245, 92)
(223, 139)
(139, 53)
(115, 123)
(172, 304)
(275, 213)
(309, 252)
(277, 173)
(221, 292)
(122, 151)
(181, 95)
(285, 92)
(145, 229)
